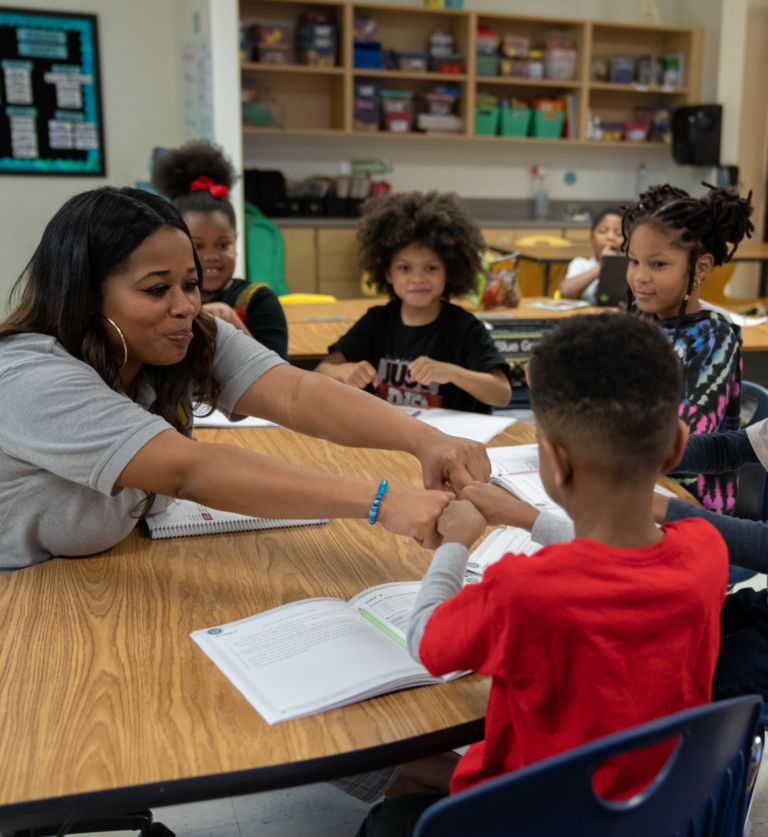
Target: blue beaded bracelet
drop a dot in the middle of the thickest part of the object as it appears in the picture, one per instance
(377, 502)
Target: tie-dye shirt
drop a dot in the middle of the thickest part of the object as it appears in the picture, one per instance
(709, 346)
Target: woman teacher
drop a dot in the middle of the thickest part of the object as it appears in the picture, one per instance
(100, 366)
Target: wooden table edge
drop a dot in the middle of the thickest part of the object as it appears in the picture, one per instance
(57, 810)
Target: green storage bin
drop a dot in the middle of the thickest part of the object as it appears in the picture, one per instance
(515, 122)
(487, 65)
(486, 122)
(548, 124)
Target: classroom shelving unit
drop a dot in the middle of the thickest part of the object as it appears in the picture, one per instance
(319, 101)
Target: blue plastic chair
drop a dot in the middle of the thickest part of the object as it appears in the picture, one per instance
(700, 792)
(752, 499)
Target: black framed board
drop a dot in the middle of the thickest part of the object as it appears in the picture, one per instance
(50, 94)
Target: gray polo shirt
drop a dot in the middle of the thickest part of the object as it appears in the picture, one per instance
(65, 437)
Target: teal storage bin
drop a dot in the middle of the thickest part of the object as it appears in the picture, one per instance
(487, 65)
(548, 124)
(515, 122)
(486, 122)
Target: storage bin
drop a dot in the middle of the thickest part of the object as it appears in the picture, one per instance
(548, 124)
(412, 62)
(612, 131)
(441, 103)
(272, 33)
(274, 54)
(400, 122)
(637, 131)
(397, 101)
(487, 65)
(453, 64)
(515, 122)
(258, 114)
(560, 64)
(513, 46)
(368, 55)
(622, 69)
(513, 68)
(536, 64)
(447, 124)
(441, 45)
(486, 122)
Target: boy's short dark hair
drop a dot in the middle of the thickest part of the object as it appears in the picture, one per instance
(435, 220)
(608, 386)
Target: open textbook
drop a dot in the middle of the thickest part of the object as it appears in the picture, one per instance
(170, 518)
(516, 468)
(475, 426)
(218, 419)
(318, 654)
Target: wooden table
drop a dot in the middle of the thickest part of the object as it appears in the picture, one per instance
(312, 328)
(109, 706)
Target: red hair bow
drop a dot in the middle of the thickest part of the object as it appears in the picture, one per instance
(203, 184)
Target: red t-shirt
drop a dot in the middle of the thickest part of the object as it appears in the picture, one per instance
(583, 640)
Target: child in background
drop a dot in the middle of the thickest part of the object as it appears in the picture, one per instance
(420, 350)
(196, 179)
(612, 630)
(673, 242)
(582, 276)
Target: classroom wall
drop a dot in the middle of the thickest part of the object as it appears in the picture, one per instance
(142, 109)
(501, 171)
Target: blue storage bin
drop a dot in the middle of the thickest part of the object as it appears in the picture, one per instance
(368, 55)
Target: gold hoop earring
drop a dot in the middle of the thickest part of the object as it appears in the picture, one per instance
(125, 347)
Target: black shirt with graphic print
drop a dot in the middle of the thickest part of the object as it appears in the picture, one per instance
(381, 338)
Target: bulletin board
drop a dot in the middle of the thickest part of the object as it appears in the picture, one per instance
(50, 94)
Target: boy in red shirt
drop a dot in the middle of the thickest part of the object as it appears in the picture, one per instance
(616, 628)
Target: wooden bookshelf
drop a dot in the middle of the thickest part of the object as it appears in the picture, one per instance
(315, 100)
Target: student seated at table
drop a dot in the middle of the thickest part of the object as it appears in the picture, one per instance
(618, 627)
(673, 242)
(101, 364)
(420, 350)
(196, 178)
(583, 275)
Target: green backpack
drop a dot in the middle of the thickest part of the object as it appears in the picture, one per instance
(264, 250)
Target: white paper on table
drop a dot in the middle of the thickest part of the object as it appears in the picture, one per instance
(475, 426)
(740, 319)
(218, 419)
(515, 459)
(511, 539)
(559, 304)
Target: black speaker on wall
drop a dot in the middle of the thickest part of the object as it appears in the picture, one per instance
(696, 131)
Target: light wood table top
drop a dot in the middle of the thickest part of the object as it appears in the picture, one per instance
(309, 337)
(108, 704)
(312, 328)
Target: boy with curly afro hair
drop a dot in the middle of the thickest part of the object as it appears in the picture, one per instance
(420, 350)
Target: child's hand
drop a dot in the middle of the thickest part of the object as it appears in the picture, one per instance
(461, 523)
(498, 506)
(358, 375)
(229, 315)
(425, 371)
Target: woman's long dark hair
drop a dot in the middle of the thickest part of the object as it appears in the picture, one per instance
(704, 225)
(60, 293)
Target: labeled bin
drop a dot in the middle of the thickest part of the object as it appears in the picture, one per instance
(548, 124)
(486, 122)
(487, 65)
(515, 122)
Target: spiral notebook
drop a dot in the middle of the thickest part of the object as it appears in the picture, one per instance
(175, 518)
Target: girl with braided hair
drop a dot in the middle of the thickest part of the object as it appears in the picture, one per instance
(196, 179)
(673, 242)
